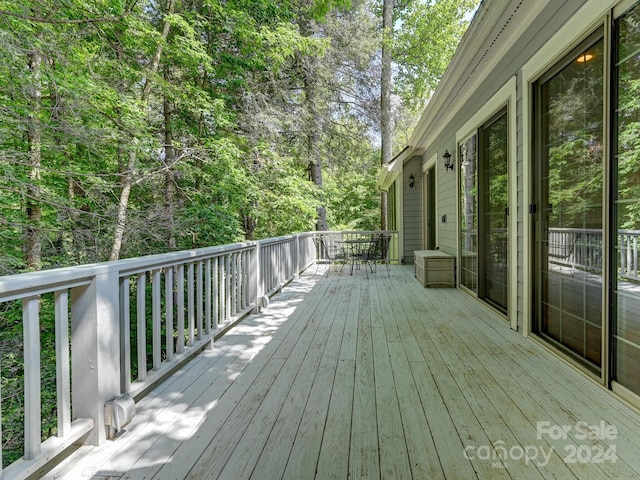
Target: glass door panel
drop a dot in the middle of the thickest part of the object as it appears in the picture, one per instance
(494, 202)
(469, 215)
(625, 328)
(569, 283)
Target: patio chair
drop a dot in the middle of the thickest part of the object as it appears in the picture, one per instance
(329, 250)
(379, 252)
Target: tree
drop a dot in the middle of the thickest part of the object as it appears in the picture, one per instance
(427, 36)
(419, 37)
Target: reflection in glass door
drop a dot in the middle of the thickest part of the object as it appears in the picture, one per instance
(568, 232)
(493, 195)
(468, 215)
(625, 328)
(483, 211)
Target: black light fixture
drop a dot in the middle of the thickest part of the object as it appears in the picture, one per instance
(447, 160)
(412, 181)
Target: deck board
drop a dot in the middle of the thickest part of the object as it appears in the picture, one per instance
(345, 376)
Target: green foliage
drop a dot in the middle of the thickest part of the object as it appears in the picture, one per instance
(427, 37)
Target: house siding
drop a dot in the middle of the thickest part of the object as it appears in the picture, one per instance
(412, 209)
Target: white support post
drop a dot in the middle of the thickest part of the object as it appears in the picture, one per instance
(95, 350)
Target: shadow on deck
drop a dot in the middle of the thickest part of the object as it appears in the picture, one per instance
(348, 377)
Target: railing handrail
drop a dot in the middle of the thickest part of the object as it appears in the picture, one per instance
(12, 286)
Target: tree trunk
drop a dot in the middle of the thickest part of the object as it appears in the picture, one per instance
(315, 156)
(123, 203)
(385, 99)
(33, 232)
(169, 187)
(313, 126)
(127, 178)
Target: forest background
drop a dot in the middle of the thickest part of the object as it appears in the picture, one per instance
(131, 127)
(135, 127)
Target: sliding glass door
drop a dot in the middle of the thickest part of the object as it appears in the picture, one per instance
(625, 328)
(493, 195)
(483, 211)
(569, 188)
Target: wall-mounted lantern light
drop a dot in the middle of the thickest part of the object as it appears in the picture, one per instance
(412, 181)
(447, 160)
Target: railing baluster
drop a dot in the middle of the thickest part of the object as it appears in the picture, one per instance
(635, 256)
(245, 300)
(156, 332)
(125, 335)
(214, 306)
(207, 296)
(629, 260)
(190, 306)
(180, 308)
(141, 283)
(63, 381)
(227, 288)
(238, 284)
(621, 252)
(32, 422)
(199, 299)
(222, 295)
(168, 301)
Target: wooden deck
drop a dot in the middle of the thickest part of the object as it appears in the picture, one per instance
(348, 377)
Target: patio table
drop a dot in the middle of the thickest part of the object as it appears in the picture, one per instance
(357, 250)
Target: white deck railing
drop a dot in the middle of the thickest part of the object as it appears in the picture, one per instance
(121, 327)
